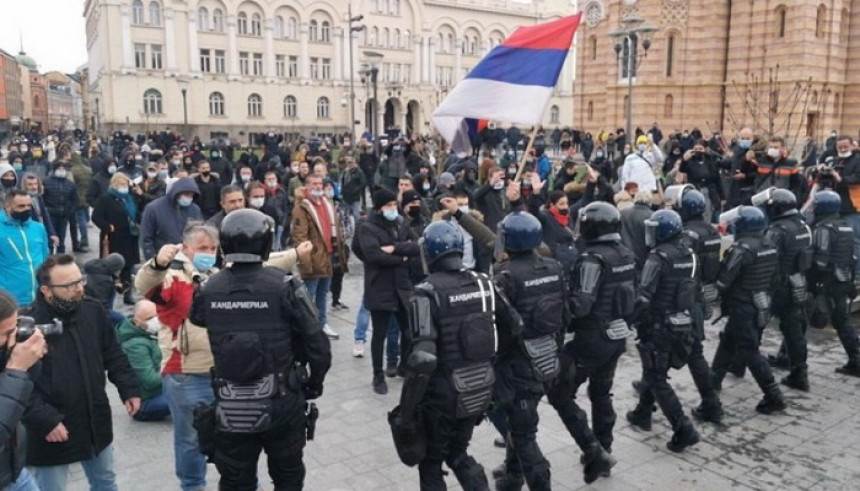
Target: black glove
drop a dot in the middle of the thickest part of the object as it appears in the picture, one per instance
(313, 391)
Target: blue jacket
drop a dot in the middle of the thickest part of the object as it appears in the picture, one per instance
(544, 167)
(22, 249)
(164, 221)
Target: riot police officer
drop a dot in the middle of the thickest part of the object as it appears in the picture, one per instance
(450, 372)
(791, 236)
(746, 276)
(601, 301)
(261, 324)
(831, 275)
(525, 362)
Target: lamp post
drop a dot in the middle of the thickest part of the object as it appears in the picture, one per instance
(628, 35)
(374, 59)
(352, 29)
(185, 112)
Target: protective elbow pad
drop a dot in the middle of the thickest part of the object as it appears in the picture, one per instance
(422, 362)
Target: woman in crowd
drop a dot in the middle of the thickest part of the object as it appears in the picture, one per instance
(117, 215)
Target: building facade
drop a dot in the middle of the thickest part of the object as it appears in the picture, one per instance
(11, 93)
(225, 67)
(65, 111)
(778, 66)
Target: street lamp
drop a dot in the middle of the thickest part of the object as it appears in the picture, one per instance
(627, 37)
(374, 59)
(352, 29)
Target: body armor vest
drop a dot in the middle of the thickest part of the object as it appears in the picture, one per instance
(617, 293)
(795, 252)
(706, 242)
(678, 278)
(756, 274)
(841, 254)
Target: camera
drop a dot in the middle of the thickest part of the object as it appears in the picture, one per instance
(27, 326)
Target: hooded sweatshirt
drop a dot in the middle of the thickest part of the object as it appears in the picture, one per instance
(164, 220)
(4, 168)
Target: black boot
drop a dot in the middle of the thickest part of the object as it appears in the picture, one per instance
(510, 482)
(851, 368)
(717, 377)
(598, 463)
(711, 412)
(773, 400)
(780, 359)
(471, 475)
(128, 297)
(797, 379)
(499, 472)
(684, 437)
(640, 417)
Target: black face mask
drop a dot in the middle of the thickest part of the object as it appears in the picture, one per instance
(129, 163)
(65, 307)
(22, 216)
(564, 212)
(9, 183)
(205, 173)
(414, 211)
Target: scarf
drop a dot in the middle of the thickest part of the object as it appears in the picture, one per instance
(128, 203)
(563, 220)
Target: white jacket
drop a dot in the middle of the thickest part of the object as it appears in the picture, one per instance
(637, 169)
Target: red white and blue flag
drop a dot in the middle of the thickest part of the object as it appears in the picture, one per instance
(513, 83)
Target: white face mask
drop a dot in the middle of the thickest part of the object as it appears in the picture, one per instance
(845, 155)
(256, 202)
(152, 326)
(773, 153)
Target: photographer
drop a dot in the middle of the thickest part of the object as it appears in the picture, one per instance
(845, 174)
(700, 167)
(15, 389)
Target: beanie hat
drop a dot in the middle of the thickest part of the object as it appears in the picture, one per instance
(382, 197)
(410, 196)
(642, 139)
(115, 262)
(446, 179)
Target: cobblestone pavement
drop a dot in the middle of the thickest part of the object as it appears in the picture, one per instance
(815, 444)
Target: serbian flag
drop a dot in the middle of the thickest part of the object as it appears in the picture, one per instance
(513, 83)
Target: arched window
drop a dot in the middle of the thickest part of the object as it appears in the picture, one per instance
(154, 14)
(313, 31)
(592, 44)
(292, 27)
(217, 20)
(202, 19)
(670, 55)
(407, 39)
(255, 106)
(590, 111)
(216, 104)
(137, 12)
(395, 41)
(449, 44)
(290, 107)
(152, 102)
(256, 25)
(820, 21)
(668, 106)
(242, 23)
(374, 36)
(386, 38)
(780, 21)
(554, 114)
(325, 32)
(279, 26)
(322, 108)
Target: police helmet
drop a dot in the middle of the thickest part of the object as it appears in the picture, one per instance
(826, 203)
(662, 226)
(776, 202)
(441, 239)
(520, 231)
(247, 236)
(692, 205)
(600, 220)
(749, 220)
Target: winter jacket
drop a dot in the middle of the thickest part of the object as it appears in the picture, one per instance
(98, 186)
(15, 390)
(101, 283)
(61, 196)
(152, 190)
(305, 225)
(71, 386)
(353, 184)
(637, 169)
(164, 220)
(144, 356)
(83, 176)
(111, 217)
(209, 197)
(23, 247)
(633, 230)
(386, 276)
(492, 203)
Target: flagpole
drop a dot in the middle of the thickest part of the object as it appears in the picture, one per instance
(526, 153)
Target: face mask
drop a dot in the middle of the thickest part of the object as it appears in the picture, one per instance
(563, 211)
(329, 193)
(256, 202)
(151, 175)
(773, 153)
(24, 149)
(37, 153)
(61, 173)
(22, 216)
(152, 326)
(499, 185)
(184, 201)
(833, 134)
(246, 178)
(413, 211)
(203, 261)
(642, 147)
(844, 155)
(215, 155)
(464, 209)
(163, 173)
(509, 153)
(397, 148)
(176, 162)
(205, 173)
(527, 182)
(745, 144)
(425, 187)
(66, 307)
(9, 183)
(272, 185)
(18, 166)
(316, 193)
(122, 190)
(599, 155)
(512, 172)
(390, 215)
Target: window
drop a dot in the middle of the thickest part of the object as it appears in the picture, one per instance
(36, 102)
(670, 55)
(326, 69)
(280, 65)
(386, 38)
(449, 44)
(242, 23)
(780, 21)
(668, 108)
(293, 67)
(202, 19)
(205, 61)
(820, 21)
(590, 111)
(256, 25)
(554, 114)
(395, 41)
(216, 104)
(152, 102)
(325, 32)
(155, 50)
(395, 7)
(406, 39)
(407, 73)
(315, 68)
(279, 26)
(255, 106)
(592, 43)
(290, 109)
(258, 64)
(217, 20)
(395, 72)
(374, 36)
(154, 14)
(313, 31)
(628, 59)
(140, 55)
(220, 61)
(137, 12)
(244, 63)
(292, 28)
(322, 108)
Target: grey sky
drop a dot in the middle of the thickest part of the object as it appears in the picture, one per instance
(53, 30)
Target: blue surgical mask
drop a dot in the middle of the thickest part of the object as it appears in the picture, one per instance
(164, 174)
(316, 193)
(745, 144)
(18, 167)
(390, 215)
(185, 201)
(122, 190)
(642, 147)
(203, 261)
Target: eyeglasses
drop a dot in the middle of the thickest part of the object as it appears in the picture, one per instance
(73, 284)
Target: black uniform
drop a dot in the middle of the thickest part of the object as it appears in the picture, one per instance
(831, 276)
(535, 287)
(603, 291)
(261, 322)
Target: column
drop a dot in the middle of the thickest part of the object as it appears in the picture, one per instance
(425, 58)
(304, 57)
(431, 68)
(127, 65)
(170, 42)
(458, 60)
(269, 56)
(232, 49)
(193, 49)
(417, 75)
(337, 59)
(403, 116)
